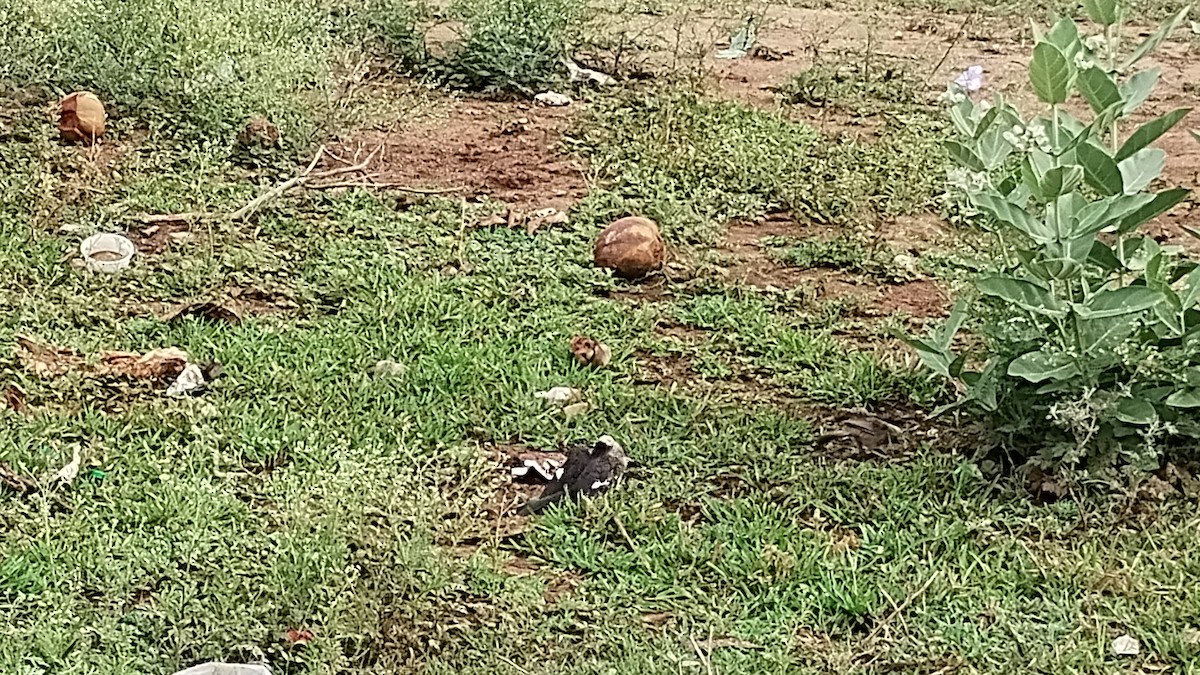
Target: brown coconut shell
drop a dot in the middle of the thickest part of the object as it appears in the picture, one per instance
(259, 133)
(81, 117)
(631, 247)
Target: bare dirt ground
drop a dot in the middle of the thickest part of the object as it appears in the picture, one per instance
(509, 152)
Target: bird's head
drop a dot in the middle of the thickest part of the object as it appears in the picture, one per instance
(606, 445)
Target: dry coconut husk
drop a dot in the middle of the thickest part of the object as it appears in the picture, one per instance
(81, 117)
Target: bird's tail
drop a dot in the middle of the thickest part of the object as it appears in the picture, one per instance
(536, 505)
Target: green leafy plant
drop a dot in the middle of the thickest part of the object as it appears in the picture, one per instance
(1089, 331)
(512, 46)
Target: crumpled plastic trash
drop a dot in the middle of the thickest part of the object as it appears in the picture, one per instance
(560, 396)
(1126, 645)
(389, 368)
(552, 98)
(578, 73)
(215, 668)
(740, 43)
(190, 380)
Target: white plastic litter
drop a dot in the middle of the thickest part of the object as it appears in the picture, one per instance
(214, 668)
(740, 43)
(108, 253)
(578, 73)
(191, 379)
(1126, 645)
(552, 98)
(560, 395)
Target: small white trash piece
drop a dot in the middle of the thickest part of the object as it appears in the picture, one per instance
(552, 98)
(214, 668)
(107, 253)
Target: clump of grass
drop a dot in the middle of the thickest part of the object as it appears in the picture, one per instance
(862, 83)
(843, 252)
(510, 46)
(386, 27)
(695, 164)
(195, 68)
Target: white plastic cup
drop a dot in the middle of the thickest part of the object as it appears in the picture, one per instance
(107, 253)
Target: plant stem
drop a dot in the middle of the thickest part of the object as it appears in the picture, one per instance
(1111, 37)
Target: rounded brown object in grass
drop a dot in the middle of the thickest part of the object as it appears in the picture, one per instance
(259, 132)
(632, 247)
(589, 352)
(81, 117)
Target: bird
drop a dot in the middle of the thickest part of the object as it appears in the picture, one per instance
(590, 470)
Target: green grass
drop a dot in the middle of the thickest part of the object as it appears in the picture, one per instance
(694, 164)
(186, 68)
(303, 491)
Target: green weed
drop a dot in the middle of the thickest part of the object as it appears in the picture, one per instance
(694, 164)
(858, 83)
(508, 46)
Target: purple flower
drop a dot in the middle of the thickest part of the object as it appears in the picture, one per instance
(971, 79)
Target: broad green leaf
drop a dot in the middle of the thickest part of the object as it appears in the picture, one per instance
(1105, 213)
(964, 155)
(1024, 294)
(1051, 74)
(953, 323)
(985, 387)
(992, 148)
(1137, 88)
(1006, 212)
(1140, 169)
(1103, 12)
(1191, 295)
(1104, 335)
(1192, 375)
(1118, 302)
(1099, 169)
(1151, 43)
(1136, 252)
(1098, 127)
(960, 114)
(1169, 315)
(1150, 132)
(986, 122)
(1136, 411)
(1064, 34)
(1102, 256)
(1060, 180)
(1098, 89)
(1159, 204)
(1185, 398)
(1195, 135)
(934, 359)
(1040, 366)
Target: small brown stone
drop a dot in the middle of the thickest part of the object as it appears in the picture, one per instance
(632, 247)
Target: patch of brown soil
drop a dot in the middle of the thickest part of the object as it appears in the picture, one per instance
(921, 299)
(649, 290)
(155, 239)
(914, 233)
(502, 150)
(752, 265)
(668, 371)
